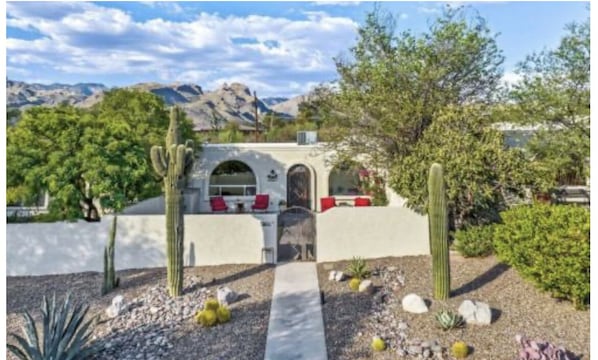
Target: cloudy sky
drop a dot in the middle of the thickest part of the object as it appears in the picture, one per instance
(276, 48)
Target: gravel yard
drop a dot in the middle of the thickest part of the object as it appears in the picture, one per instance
(156, 327)
(352, 319)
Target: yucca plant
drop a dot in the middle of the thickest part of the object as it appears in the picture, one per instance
(357, 268)
(449, 320)
(65, 335)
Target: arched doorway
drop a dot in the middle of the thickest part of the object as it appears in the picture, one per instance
(299, 187)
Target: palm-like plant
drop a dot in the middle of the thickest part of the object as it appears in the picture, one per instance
(65, 334)
(357, 268)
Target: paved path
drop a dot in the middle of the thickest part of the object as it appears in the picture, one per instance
(296, 328)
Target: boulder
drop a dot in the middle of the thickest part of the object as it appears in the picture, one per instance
(118, 306)
(340, 276)
(413, 303)
(366, 286)
(332, 275)
(226, 296)
(475, 312)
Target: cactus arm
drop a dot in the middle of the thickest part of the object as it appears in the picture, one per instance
(158, 160)
(180, 160)
(438, 227)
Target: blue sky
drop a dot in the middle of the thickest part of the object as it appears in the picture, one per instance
(276, 48)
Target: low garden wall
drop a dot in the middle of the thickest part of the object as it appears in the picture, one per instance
(370, 232)
(57, 248)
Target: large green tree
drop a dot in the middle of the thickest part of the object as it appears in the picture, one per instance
(555, 93)
(83, 156)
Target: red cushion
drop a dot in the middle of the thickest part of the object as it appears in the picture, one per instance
(261, 202)
(362, 202)
(327, 203)
(218, 204)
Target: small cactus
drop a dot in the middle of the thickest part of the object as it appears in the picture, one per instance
(354, 284)
(438, 225)
(206, 318)
(449, 320)
(460, 350)
(378, 344)
(223, 314)
(211, 304)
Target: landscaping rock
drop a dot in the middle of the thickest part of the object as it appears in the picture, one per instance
(475, 312)
(226, 296)
(339, 276)
(413, 303)
(332, 275)
(118, 307)
(366, 286)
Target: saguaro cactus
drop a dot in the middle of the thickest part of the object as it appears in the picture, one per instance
(173, 164)
(438, 225)
(110, 279)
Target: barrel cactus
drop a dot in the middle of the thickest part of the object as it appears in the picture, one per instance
(460, 350)
(110, 279)
(173, 164)
(438, 225)
(378, 344)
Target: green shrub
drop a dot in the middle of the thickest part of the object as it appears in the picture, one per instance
(549, 245)
(475, 241)
(358, 268)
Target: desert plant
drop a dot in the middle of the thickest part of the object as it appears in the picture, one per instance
(211, 304)
(475, 241)
(206, 318)
(223, 314)
(531, 349)
(449, 320)
(354, 284)
(65, 334)
(378, 344)
(549, 245)
(110, 279)
(173, 164)
(357, 268)
(438, 225)
(460, 350)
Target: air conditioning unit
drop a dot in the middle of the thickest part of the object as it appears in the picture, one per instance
(307, 137)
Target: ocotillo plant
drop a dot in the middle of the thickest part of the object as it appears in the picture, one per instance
(438, 225)
(173, 165)
(110, 279)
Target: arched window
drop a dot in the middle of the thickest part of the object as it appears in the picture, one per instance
(344, 180)
(232, 178)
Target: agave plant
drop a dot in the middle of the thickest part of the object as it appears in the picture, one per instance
(65, 334)
(357, 268)
(449, 320)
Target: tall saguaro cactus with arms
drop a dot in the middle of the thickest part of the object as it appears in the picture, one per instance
(173, 163)
(438, 221)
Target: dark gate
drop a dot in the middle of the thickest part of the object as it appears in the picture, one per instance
(298, 187)
(296, 235)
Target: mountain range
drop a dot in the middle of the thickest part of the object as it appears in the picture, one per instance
(207, 109)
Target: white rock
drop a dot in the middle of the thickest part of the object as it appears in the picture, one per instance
(332, 275)
(414, 304)
(226, 296)
(118, 306)
(366, 286)
(475, 312)
(340, 276)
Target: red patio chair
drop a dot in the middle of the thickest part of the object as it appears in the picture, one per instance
(359, 201)
(262, 201)
(327, 203)
(217, 203)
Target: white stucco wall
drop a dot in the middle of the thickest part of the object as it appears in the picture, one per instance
(370, 232)
(56, 248)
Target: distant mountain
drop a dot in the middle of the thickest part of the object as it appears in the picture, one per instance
(22, 95)
(207, 109)
(289, 107)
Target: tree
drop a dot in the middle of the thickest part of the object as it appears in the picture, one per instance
(555, 92)
(81, 156)
(408, 101)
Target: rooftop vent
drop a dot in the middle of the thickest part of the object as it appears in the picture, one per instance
(307, 137)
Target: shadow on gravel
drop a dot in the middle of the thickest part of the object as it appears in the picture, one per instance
(488, 276)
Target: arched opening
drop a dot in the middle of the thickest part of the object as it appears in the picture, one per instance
(232, 178)
(344, 180)
(299, 187)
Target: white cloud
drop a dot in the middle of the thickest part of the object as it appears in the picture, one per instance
(94, 39)
(510, 78)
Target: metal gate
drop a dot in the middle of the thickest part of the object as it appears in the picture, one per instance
(296, 235)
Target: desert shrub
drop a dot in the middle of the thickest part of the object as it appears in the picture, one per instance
(358, 268)
(475, 241)
(549, 245)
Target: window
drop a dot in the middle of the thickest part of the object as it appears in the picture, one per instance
(344, 180)
(232, 178)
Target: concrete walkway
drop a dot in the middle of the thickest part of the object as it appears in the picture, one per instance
(296, 328)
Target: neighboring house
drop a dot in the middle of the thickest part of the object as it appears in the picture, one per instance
(40, 207)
